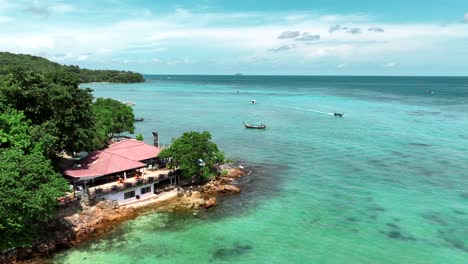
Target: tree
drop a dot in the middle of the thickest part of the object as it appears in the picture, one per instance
(195, 155)
(29, 188)
(139, 137)
(60, 111)
(112, 117)
(14, 129)
(9, 61)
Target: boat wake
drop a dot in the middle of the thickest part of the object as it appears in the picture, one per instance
(311, 110)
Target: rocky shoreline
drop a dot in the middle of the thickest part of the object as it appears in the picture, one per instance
(94, 221)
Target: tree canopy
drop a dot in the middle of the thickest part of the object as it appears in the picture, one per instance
(195, 154)
(112, 117)
(42, 113)
(29, 186)
(58, 109)
(10, 61)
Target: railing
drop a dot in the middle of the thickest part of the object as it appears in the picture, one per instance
(96, 191)
(69, 199)
(163, 146)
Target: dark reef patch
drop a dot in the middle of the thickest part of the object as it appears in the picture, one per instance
(231, 252)
(393, 225)
(419, 144)
(375, 208)
(263, 183)
(395, 234)
(435, 218)
(459, 212)
(423, 113)
(450, 237)
(464, 195)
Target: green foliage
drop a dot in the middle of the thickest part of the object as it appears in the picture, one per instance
(112, 117)
(224, 172)
(29, 188)
(139, 137)
(60, 111)
(42, 113)
(14, 129)
(195, 155)
(10, 61)
(87, 76)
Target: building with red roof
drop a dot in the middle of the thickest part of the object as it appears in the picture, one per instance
(119, 172)
(118, 157)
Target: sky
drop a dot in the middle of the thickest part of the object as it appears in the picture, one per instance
(296, 37)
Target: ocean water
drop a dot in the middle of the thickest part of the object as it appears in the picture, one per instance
(387, 183)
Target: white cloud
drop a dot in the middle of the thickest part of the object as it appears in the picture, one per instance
(282, 48)
(390, 64)
(199, 34)
(465, 17)
(288, 34)
(308, 37)
(82, 57)
(341, 65)
(62, 8)
(376, 29)
(5, 19)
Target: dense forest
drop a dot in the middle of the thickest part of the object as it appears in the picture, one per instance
(10, 61)
(44, 113)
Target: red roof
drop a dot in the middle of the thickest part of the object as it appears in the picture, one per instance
(118, 157)
(134, 149)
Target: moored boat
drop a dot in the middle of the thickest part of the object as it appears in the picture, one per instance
(338, 114)
(141, 119)
(261, 126)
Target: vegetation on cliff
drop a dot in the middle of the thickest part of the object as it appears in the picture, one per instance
(10, 61)
(29, 185)
(195, 154)
(42, 115)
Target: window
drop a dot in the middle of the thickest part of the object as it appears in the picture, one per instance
(145, 190)
(128, 195)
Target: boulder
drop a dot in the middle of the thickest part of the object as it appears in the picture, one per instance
(209, 202)
(229, 189)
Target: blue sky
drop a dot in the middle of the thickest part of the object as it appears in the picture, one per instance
(333, 37)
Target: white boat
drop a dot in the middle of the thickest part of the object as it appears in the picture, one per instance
(253, 101)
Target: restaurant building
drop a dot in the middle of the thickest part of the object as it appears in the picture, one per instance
(125, 171)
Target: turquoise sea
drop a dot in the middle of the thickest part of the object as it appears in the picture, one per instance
(387, 183)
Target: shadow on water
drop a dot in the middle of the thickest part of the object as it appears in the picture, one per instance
(263, 183)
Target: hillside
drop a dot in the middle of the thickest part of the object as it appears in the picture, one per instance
(10, 61)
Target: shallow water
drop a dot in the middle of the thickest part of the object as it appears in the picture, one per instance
(387, 183)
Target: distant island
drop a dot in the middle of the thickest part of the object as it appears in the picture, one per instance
(10, 61)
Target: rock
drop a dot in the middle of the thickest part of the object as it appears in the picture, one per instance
(236, 173)
(43, 248)
(229, 189)
(210, 202)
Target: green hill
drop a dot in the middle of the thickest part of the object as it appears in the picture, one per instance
(10, 61)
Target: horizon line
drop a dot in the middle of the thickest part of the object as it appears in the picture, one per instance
(298, 75)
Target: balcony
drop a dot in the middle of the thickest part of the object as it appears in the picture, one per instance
(148, 176)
